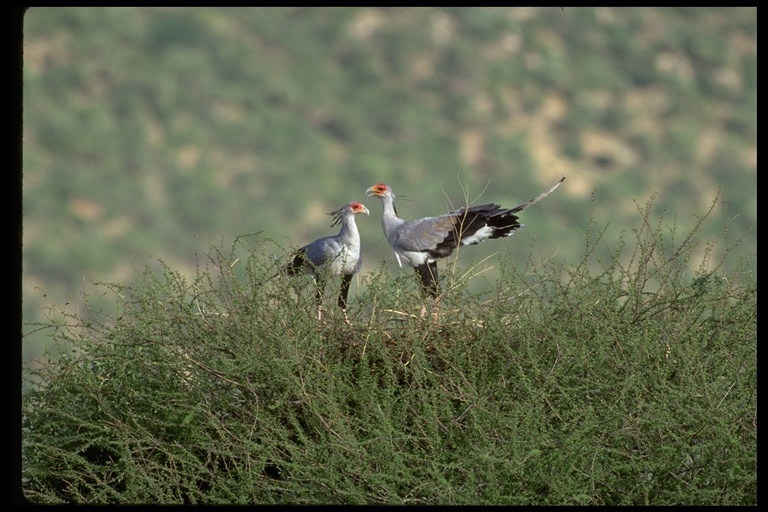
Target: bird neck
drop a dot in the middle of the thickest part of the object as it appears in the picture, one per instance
(349, 227)
(389, 217)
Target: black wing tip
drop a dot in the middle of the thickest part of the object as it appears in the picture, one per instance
(298, 264)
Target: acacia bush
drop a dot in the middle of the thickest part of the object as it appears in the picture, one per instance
(620, 380)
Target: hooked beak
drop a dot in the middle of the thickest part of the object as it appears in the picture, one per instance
(372, 192)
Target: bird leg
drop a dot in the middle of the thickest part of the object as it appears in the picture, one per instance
(429, 284)
(343, 293)
(436, 311)
(320, 284)
(428, 278)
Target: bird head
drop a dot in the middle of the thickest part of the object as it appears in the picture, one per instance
(379, 190)
(354, 208)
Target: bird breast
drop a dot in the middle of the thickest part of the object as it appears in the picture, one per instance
(346, 260)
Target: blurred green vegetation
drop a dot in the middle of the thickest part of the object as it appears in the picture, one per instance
(151, 132)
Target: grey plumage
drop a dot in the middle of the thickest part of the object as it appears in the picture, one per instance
(420, 243)
(337, 255)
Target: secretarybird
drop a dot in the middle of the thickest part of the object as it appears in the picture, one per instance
(337, 255)
(420, 243)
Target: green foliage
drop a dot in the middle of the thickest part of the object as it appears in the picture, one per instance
(622, 380)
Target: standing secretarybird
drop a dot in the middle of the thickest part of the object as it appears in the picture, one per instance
(337, 255)
(420, 243)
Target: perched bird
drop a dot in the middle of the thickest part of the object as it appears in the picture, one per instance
(337, 255)
(420, 243)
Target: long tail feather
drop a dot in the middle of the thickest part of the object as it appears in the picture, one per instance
(537, 198)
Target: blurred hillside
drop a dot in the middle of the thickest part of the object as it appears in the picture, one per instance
(154, 132)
